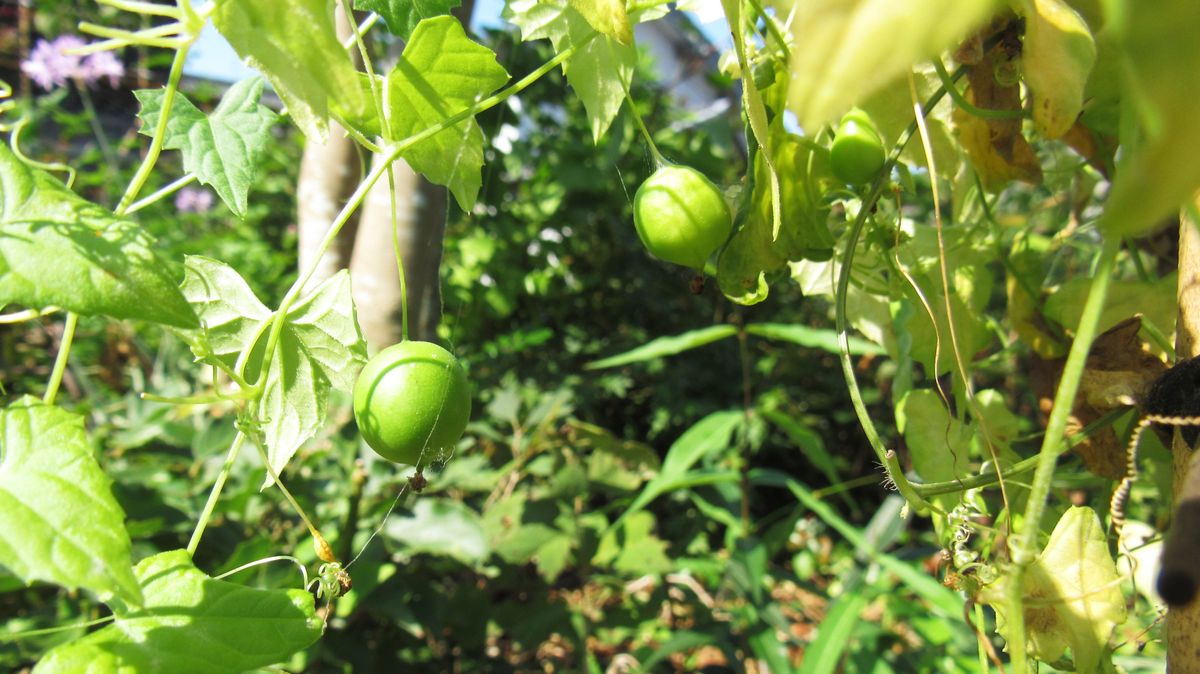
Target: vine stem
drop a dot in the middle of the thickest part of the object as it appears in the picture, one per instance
(396, 251)
(60, 361)
(215, 493)
(886, 457)
(1025, 541)
(160, 132)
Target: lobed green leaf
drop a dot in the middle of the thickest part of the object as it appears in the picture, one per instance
(59, 521)
(402, 16)
(442, 73)
(596, 71)
(192, 623)
(223, 149)
(295, 44)
(57, 249)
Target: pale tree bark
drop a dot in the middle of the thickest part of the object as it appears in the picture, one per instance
(329, 171)
(1183, 623)
(421, 226)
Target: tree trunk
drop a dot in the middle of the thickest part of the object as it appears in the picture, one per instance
(1183, 623)
(329, 172)
(420, 226)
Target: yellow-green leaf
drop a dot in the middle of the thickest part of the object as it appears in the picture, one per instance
(607, 16)
(845, 50)
(1071, 595)
(1163, 75)
(1057, 56)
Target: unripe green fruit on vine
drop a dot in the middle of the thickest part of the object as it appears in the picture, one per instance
(412, 402)
(681, 216)
(857, 154)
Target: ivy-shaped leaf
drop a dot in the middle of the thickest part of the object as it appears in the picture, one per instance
(295, 45)
(59, 521)
(320, 346)
(845, 50)
(441, 73)
(57, 249)
(1071, 594)
(222, 149)
(596, 71)
(192, 623)
(230, 314)
(402, 16)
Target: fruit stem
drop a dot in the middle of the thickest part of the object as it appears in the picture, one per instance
(319, 543)
(659, 160)
(399, 256)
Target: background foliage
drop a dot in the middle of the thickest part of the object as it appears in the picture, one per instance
(657, 479)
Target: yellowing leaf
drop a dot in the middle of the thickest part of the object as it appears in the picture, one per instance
(998, 151)
(1071, 594)
(845, 50)
(608, 17)
(1057, 57)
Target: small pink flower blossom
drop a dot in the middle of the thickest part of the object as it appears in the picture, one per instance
(193, 200)
(103, 64)
(50, 66)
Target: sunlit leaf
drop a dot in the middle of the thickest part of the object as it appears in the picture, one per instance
(56, 249)
(1057, 56)
(940, 445)
(319, 347)
(296, 46)
(441, 73)
(596, 71)
(608, 17)
(59, 522)
(846, 50)
(816, 338)
(1071, 595)
(667, 346)
(192, 624)
(222, 148)
(709, 435)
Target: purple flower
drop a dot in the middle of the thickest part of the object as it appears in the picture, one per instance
(103, 64)
(193, 200)
(50, 66)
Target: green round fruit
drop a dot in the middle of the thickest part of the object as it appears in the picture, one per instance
(681, 216)
(412, 402)
(857, 154)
